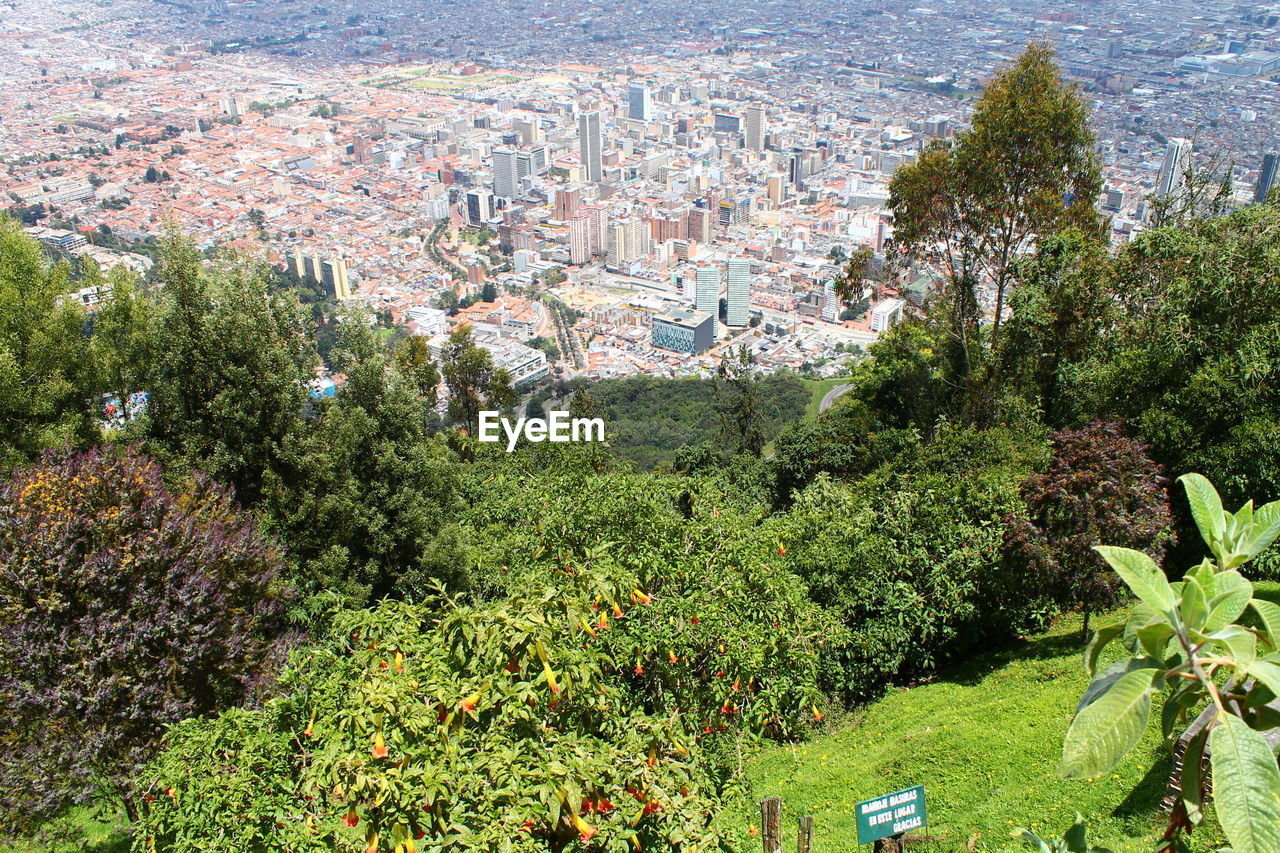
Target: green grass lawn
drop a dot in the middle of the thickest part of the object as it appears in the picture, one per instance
(984, 739)
(819, 389)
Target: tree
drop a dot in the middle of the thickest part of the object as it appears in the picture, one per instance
(1100, 486)
(124, 342)
(489, 293)
(1024, 170)
(45, 388)
(125, 607)
(494, 726)
(583, 405)
(474, 383)
(1061, 310)
(372, 508)
(1192, 358)
(851, 286)
(738, 403)
(231, 371)
(151, 176)
(1184, 640)
(415, 361)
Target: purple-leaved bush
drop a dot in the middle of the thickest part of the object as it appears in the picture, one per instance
(125, 606)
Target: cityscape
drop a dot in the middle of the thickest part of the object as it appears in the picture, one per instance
(639, 175)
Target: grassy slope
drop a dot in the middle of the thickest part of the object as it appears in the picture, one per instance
(984, 740)
(819, 389)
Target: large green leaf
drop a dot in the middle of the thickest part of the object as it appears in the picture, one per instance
(1206, 507)
(1108, 727)
(1232, 598)
(1270, 614)
(1266, 527)
(1141, 575)
(1101, 638)
(1246, 786)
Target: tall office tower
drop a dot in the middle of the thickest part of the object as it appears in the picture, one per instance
(738, 291)
(727, 123)
(1173, 174)
(580, 239)
(591, 145)
(529, 131)
(299, 262)
(830, 302)
(479, 206)
(639, 102)
(753, 128)
(334, 277)
(1267, 178)
(506, 178)
(701, 225)
(707, 295)
(567, 202)
(777, 189)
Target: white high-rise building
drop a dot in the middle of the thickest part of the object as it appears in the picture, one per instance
(738, 291)
(707, 297)
(506, 178)
(639, 102)
(591, 146)
(753, 128)
(1173, 174)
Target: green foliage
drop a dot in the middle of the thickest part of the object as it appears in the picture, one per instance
(371, 510)
(729, 639)
(1184, 639)
(984, 737)
(1025, 169)
(488, 727)
(45, 389)
(474, 383)
(1194, 359)
(231, 365)
(909, 558)
(650, 419)
(124, 607)
(1074, 840)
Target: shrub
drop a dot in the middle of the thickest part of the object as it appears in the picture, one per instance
(482, 727)
(124, 607)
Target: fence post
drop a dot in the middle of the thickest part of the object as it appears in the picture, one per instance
(804, 840)
(771, 824)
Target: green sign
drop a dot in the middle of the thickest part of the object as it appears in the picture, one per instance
(891, 814)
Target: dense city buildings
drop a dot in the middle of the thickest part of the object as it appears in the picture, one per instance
(725, 162)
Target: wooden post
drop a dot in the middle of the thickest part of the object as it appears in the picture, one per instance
(771, 824)
(892, 844)
(804, 839)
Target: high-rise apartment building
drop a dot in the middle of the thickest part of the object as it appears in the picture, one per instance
(1267, 177)
(753, 128)
(506, 177)
(707, 297)
(567, 203)
(738, 291)
(639, 102)
(591, 146)
(1173, 174)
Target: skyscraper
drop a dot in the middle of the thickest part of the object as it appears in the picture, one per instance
(1173, 174)
(591, 146)
(1267, 177)
(506, 178)
(567, 201)
(707, 298)
(738, 291)
(753, 128)
(639, 102)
